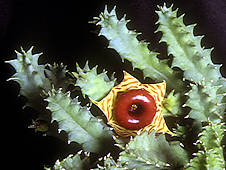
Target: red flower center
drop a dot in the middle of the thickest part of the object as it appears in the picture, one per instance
(134, 109)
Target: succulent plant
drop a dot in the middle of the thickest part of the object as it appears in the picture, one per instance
(130, 131)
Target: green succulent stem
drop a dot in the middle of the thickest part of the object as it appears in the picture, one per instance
(72, 162)
(94, 85)
(151, 151)
(82, 127)
(31, 77)
(210, 155)
(125, 42)
(208, 85)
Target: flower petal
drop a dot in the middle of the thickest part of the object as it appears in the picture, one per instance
(157, 91)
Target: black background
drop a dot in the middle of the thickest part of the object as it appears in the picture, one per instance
(61, 31)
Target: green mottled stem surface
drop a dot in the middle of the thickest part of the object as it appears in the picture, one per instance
(125, 42)
(82, 127)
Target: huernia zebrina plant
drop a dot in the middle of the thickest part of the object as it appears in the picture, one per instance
(132, 131)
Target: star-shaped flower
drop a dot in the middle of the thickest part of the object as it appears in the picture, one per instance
(132, 107)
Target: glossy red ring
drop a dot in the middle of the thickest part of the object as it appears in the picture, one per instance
(134, 109)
